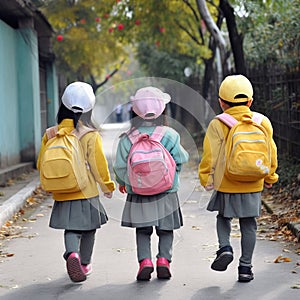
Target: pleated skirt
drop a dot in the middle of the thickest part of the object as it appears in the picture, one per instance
(162, 210)
(84, 214)
(242, 205)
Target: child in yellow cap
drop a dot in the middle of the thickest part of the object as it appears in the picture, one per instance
(234, 198)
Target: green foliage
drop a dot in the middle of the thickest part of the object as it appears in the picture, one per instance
(86, 45)
(169, 35)
(159, 63)
(271, 30)
(93, 33)
(288, 170)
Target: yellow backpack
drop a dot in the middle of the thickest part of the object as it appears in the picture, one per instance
(63, 167)
(248, 156)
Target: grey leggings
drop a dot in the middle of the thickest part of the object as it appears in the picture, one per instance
(81, 242)
(143, 242)
(248, 229)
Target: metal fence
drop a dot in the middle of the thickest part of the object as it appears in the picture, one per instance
(277, 95)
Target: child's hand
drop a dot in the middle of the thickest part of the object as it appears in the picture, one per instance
(209, 187)
(122, 189)
(268, 185)
(108, 195)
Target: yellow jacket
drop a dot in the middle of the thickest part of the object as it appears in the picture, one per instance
(99, 172)
(212, 165)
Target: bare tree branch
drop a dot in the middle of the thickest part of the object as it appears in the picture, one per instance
(215, 32)
(96, 85)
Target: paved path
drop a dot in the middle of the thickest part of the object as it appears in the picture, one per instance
(36, 271)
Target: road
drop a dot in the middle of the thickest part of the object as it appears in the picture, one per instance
(36, 269)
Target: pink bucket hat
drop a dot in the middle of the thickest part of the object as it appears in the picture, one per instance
(149, 102)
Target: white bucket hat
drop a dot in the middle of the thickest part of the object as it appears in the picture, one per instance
(149, 102)
(79, 97)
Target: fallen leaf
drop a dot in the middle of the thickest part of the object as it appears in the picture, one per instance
(196, 227)
(8, 223)
(10, 182)
(280, 258)
(296, 286)
(286, 250)
(31, 220)
(30, 201)
(191, 201)
(236, 235)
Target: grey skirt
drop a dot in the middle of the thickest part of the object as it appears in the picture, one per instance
(85, 214)
(241, 205)
(160, 210)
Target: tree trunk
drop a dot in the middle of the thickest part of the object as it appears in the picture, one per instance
(236, 39)
(215, 32)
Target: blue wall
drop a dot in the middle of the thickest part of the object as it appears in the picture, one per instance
(9, 120)
(29, 93)
(52, 95)
(20, 112)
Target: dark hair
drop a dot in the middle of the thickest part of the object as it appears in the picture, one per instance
(232, 104)
(86, 119)
(137, 121)
(65, 113)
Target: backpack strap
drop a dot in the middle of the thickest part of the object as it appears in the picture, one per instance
(257, 117)
(230, 121)
(227, 119)
(82, 130)
(133, 136)
(51, 132)
(158, 133)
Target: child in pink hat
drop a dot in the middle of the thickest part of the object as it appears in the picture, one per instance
(146, 212)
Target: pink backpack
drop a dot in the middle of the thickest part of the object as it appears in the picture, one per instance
(151, 168)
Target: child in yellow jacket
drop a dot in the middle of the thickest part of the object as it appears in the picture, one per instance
(80, 213)
(233, 198)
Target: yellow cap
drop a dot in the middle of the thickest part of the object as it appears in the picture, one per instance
(233, 86)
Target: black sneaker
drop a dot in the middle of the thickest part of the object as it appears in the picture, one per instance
(245, 274)
(223, 259)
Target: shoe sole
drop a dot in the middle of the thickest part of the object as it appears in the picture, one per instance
(145, 274)
(245, 277)
(163, 272)
(74, 270)
(221, 263)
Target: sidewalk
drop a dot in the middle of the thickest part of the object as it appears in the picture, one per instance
(21, 181)
(35, 268)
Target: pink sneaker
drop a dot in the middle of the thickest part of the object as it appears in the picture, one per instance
(87, 269)
(74, 269)
(146, 268)
(163, 268)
